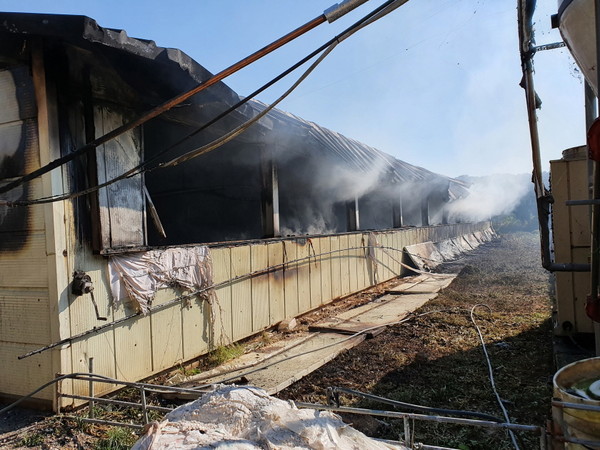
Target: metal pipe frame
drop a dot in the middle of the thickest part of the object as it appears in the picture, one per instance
(335, 390)
(147, 386)
(119, 402)
(580, 406)
(426, 418)
(106, 422)
(563, 426)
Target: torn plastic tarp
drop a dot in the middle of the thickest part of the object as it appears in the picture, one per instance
(138, 276)
(428, 255)
(241, 417)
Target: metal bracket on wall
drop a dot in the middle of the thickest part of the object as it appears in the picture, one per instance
(82, 284)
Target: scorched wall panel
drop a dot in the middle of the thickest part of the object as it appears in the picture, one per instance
(24, 295)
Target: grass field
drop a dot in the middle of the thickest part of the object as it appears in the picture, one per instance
(437, 360)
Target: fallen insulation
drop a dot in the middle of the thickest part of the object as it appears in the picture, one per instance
(248, 418)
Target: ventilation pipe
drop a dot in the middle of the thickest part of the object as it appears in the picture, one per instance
(543, 197)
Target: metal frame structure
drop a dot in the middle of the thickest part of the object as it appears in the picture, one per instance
(485, 421)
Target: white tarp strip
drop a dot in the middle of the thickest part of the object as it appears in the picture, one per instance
(428, 255)
(138, 276)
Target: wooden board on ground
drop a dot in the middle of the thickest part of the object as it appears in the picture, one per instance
(388, 309)
(424, 284)
(289, 362)
(280, 371)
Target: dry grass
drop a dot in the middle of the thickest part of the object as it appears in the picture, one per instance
(436, 359)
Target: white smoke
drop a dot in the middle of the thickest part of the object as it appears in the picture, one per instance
(490, 196)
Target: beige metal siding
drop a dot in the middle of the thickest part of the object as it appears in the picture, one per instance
(290, 276)
(196, 320)
(260, 287)
(276, 282)
(223, 323)
(316, 294)
(149, 344)
(24, 296)
(336, 267)
(241, 292)
(166, 332)
(571, 229)
(326, 270)
(304, 278)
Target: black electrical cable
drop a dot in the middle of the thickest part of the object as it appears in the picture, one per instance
(141, 168)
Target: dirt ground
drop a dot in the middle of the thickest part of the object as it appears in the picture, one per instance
(435, 360)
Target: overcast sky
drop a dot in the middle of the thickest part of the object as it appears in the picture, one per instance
(435, 83)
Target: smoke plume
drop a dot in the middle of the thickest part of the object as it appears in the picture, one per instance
(490, 196)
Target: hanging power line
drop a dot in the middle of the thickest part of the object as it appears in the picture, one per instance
(374, 15)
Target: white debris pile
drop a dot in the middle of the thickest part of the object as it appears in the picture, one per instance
(247, 418)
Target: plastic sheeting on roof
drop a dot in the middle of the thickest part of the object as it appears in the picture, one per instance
(357, 155)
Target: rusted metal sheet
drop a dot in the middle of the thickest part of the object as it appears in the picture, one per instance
(260, 288)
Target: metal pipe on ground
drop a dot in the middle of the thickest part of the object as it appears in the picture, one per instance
(426, 418)
(336, 390)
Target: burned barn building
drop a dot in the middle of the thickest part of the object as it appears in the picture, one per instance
(317, 214)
